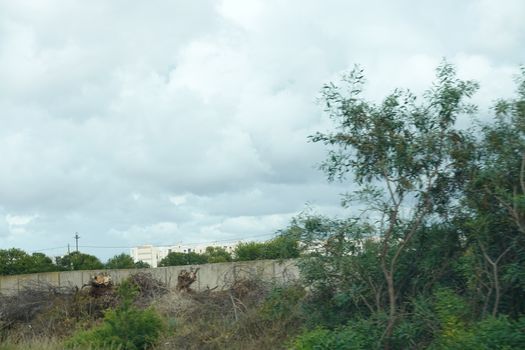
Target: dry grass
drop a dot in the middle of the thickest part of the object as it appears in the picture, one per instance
(41, 310)
(233, 318)
(32, 344)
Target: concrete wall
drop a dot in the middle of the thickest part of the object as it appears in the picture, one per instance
(210, 276)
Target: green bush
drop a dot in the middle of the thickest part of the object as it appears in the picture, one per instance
(458, 331)
(217, 255)
(280, 247)
(492, 333)
(360, 334)
(125, 327)
(120, 261)
(179, 259)
(282, 302)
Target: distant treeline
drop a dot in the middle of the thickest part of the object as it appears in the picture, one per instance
(16, 261)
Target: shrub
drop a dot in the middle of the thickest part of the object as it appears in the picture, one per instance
(125, 327)
(499, 333)
(458, 331)
(359, 334)
(282, 302)
(121, 261)
(217, 255)
(179, 259)
(281, 247)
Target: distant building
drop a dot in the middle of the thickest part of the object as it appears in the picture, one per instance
(146, 253)
(153, 255)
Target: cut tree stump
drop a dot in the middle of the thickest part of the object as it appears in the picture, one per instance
(185, 279)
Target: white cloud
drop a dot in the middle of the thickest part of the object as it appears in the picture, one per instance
(178, 200)
(130, 123)
(19, 220)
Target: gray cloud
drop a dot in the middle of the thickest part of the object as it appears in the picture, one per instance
(188, 121)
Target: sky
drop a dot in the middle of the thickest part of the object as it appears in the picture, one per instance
(165, 122)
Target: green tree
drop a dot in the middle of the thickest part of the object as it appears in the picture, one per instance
(79, 261)
(495, 198)
(401, 153)
(178, 259)
(142, 265)
(121, 261)
(217, 255)
(41, 263)
(284, 246)
(15, 261)
(246, 251)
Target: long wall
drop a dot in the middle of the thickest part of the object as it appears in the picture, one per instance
(210, 276)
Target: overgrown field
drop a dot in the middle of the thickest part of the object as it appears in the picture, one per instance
(143, 313)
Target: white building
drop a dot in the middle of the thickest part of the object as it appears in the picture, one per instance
(153, 255)
(146, 253)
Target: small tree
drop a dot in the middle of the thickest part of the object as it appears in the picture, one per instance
(284, 246)
(41, 263)
(246, 251)
(125, 327)
(401, 154)
(177, 259)
(495, 197)
(217, 255)
(121, 261)
(15, 261)
(79, 261)
(142, 265)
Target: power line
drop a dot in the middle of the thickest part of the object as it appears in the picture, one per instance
(180, 243)
(46, 249)
(164, 245)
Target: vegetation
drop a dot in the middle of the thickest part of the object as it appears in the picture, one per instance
(125, 327)
(124, 261)
(175, 259)
(15, 261)
(436, 257)
(78, 261)
(431, 257)
(217, 255)
(285, 246)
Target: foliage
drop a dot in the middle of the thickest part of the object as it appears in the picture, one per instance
(121, 261)
(177, 259)
(250, 251)
(431, 257)
(488, 334)
(142, 265)
(282, 301)
(495, 210)
(360, 334)
(15, 261)
(217, 255)
(79, 261)
(284, 246)
(41, 263)
(125, 327)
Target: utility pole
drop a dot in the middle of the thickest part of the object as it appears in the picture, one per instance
(76, 240)
(68, 250)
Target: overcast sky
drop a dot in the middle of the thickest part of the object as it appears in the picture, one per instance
(136, 122)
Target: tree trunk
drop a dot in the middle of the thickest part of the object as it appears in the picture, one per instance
(392, 307)
(497, 288)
